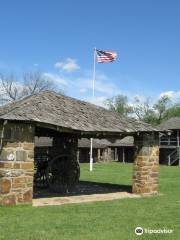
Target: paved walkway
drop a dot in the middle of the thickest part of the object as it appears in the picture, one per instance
(82, 198)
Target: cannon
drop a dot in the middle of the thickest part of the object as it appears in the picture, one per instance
(60, 173)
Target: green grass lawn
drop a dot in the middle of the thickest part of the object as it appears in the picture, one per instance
(102, 220)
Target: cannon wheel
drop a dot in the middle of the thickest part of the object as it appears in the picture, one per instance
(63, 173)
(40, 166)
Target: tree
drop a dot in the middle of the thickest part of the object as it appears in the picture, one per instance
(149, 113)
(143, 110)
(10, 88)
(161, 107)
(173, 111)
(32, 82)
(119, 104)
(36, 82)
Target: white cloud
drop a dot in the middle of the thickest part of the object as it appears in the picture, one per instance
(174, 95)
(82, 90)
(55, 78)
(82, 87)
(69, 65)
(100, 101)
(2, 91)
(102, 85)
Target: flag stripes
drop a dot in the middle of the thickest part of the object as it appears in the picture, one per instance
(105, 56)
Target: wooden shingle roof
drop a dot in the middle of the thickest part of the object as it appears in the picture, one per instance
(62, 111)
(102, 143)
(170, 124)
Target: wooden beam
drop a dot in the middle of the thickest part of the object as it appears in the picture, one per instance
(178, 145)
(99, 154)
(169, 160)
(116, 155)
(123, 156)
(178, 138)
(78, 152)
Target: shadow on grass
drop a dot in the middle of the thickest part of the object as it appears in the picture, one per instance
(84, 188)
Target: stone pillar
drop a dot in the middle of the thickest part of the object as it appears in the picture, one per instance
(146, 164)
(16, 164)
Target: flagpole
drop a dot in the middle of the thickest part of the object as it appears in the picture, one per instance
(94, 73)
(93, 94)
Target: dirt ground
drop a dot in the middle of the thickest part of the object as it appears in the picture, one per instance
(83, 193)
(82, 198)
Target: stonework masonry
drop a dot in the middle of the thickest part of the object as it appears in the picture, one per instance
(146, 164)
(16, 164)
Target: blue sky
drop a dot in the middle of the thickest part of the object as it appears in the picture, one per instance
(58, 37)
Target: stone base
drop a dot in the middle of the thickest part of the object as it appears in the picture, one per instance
(16, 198)
(146, 165)
(16, 183)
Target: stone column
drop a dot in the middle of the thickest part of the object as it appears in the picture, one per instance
(146, 164)
(16, 164)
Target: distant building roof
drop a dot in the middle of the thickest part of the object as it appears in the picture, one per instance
(171, 124)
(102, 143)
(69, 113)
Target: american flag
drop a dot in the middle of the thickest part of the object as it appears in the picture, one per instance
(105, 56)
